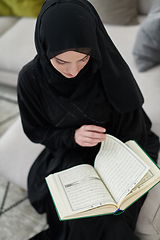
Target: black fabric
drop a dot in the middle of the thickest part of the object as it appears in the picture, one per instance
(52, 107)
(106, 227)
(78, 22)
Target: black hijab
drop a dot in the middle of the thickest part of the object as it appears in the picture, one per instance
(65, 25)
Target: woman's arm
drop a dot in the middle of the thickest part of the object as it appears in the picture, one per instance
(34, 120)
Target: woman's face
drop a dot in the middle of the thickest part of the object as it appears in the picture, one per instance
(70, 63)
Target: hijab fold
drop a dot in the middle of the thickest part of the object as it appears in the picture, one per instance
(74, 25)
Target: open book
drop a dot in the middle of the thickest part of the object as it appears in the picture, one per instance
(122, 173)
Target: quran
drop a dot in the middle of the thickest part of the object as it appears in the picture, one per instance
(122, 173)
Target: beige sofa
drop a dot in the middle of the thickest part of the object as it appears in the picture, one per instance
(18, 153)
(16, 46)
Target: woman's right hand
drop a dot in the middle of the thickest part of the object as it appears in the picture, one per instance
(89, 135)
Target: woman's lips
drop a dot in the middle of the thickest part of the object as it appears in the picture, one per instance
(68, 74)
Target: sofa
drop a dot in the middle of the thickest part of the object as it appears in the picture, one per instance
(17, 48)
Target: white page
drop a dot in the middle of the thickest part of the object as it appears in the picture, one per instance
(83, 188)
(119, 167)
(149, 175)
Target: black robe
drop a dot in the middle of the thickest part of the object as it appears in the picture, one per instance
(53, 123)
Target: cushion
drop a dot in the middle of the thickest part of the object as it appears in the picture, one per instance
(17, 43)
(144, 6)
(20, 8)
(146, 49)
(118, 12)
(7, 22)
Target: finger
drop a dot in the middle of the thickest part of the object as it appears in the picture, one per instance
(87, 144)
(92, 140)
(95, 135)
(94, 128)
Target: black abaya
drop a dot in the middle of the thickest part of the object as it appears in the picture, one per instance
(52, 107)
(62, 152)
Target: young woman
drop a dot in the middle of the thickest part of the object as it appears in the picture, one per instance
(76, 90)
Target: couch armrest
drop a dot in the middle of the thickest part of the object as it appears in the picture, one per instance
(17, 155)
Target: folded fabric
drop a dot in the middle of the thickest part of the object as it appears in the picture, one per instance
(146, 49)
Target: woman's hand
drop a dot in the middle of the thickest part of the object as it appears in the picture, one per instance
(89, 135)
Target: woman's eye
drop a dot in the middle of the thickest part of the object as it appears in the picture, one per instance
(59, 61)
(85, 59)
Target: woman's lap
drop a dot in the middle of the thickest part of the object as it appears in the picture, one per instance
(117, 227)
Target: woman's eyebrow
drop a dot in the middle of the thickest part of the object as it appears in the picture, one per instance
(69, 62)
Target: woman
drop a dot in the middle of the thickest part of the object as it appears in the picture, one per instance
(77, 89)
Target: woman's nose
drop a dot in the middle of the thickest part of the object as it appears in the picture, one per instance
(73, 69)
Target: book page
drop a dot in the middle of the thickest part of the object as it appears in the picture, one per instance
(148, 176)
(146, 183)
(119, 167)
(151, 177)
(83, 188)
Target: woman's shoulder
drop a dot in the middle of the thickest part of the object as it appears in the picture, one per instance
(27, 77)
(27, 70)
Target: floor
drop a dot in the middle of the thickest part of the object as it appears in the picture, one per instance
(18, 220)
